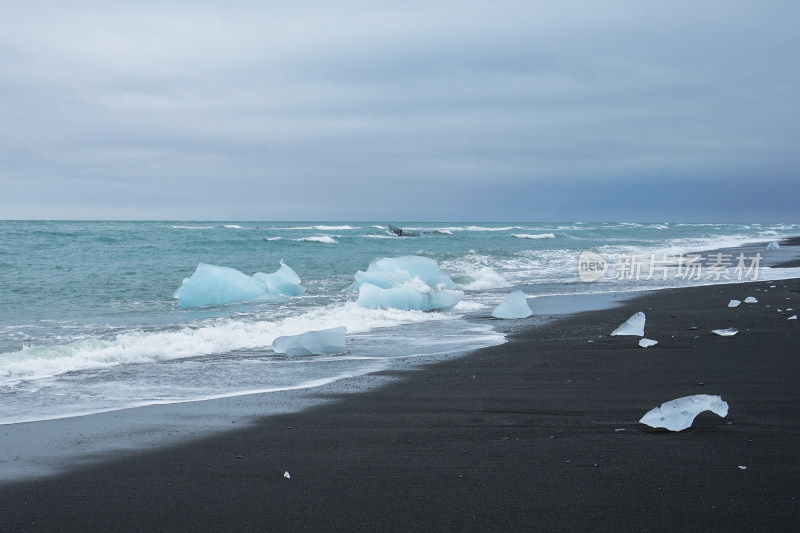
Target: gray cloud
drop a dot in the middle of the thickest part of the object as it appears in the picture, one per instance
(458, 110)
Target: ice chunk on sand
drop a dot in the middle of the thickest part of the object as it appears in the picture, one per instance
(390, 272)
(734, 303)
(726, 332)
(750, 300)
(793, 317)
(677, 415)
(514, 306)
(773, 245)
(287, 475)
(633, 326)
(320, 342)
(646, 343)
(408, 298)
(219, 285)
(283, 281)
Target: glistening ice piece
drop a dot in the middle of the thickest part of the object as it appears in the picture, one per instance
(514, 306)
(320, 342)
(677, 415)
(633, 326)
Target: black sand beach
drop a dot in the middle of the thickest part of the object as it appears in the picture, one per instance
(538, 434)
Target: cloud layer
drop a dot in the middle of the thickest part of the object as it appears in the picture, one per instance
(364, 110)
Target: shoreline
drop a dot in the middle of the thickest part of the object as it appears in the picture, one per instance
(520, 435)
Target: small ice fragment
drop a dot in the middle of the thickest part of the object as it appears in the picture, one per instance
(619, 429)
(287, 475)
(633, 326)
(793, 317)
(514, 306)
(726, 332)
(646, 343)
(734, 303)
(750, 300)
(773, 245)
(742, 467)
(321, 342)
(677, 415)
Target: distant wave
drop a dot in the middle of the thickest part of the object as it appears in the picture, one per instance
(193, 227)
(325, 239)
(232, 226)
(320, 228)
(533, 235)
(476, 228)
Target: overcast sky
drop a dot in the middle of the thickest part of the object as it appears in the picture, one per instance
(446, 110)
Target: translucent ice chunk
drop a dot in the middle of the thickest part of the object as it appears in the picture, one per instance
(750, 300)
(734, 303)
(677, 415)
(514, 306)
(219, 285)
(633, 326)
(793, 317)
(391, 272)
(726, 332)
(320, 342)
(408, 298)
(283, 281)
(646, 343)
(773, 245)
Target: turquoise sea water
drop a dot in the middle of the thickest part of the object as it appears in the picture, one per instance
(90, 323)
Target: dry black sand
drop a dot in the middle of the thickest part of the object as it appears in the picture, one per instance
(538, 434)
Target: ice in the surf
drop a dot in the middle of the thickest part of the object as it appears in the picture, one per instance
(411, 283)
(514, 306)
(773, 245)
(677, 415)
(390, 272)
(407, 298)
(634, 326)
(283, 281)
(220, 285)
(646, 343)
(319, 342)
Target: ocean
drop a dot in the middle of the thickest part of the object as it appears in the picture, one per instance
(90, 322)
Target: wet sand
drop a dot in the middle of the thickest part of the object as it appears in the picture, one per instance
(539, 434)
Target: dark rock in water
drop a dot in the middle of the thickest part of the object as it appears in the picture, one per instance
(400, 232)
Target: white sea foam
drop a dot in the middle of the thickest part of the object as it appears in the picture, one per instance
(451, 229)
(221, 336)
(534, 235)
(324, 239)
(479, 280)
(321, 228)
(192, 227)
